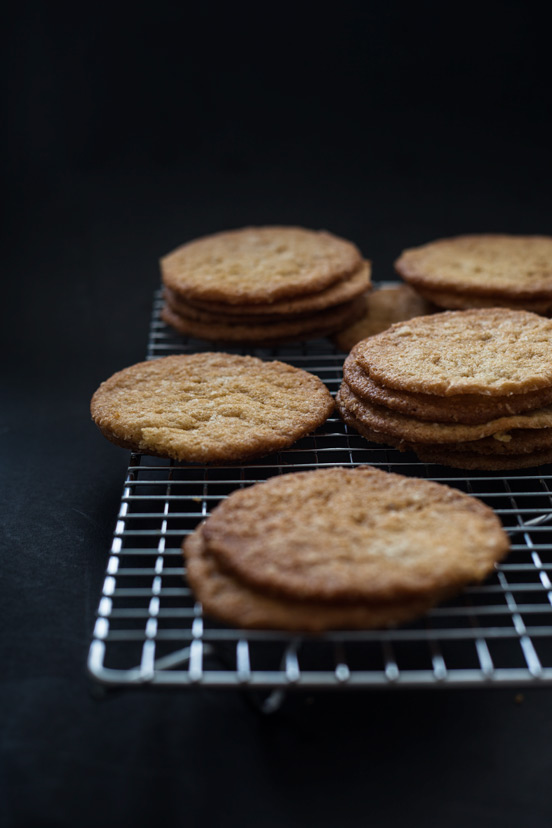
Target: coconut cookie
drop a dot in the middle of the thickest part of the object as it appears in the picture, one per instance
(239, 604)
(336, 294)
(259, 264)
(495, 351)
(477, 462)
(264, 285)
(462, 301)
(210, 407)
(339, 547)
(383, 307)
(460, 408)
(461, 386)
(412, 430)
(473, 270)
(283, 330)
(469, 456)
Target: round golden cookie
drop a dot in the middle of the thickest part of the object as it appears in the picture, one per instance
(478, 462)
(495, 351)
(348, 288)
(467, 457)
(519, 267)
(259, 264)
(228, 599)
(210, 407)
(383, 307)
(462, 301)
(411, 430)
(359, 534)
(185, 309)
(461, 408)
(517, 441)
(292, 330)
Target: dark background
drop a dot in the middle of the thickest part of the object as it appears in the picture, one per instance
(127, 134)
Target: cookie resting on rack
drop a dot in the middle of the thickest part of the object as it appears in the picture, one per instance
(295, 329)
(482, 270)
(210, 407)
(339, 548)
(469, 389)
(264, 285)
(494, 351)
(459, 408)
(259, 265)
(347, 289)
(383, 306)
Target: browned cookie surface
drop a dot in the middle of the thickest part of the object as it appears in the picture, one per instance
(461, 301)
(181, 307)
(259, 264)
(384, 306)
(462, 408)
(346, 289)
(494, 351)
(234, 602)
(359, 534)
(488, 462)
(412, 430)
(487, 264)
(292, 330)
(515, 442)
(210, 407)
(467, 456)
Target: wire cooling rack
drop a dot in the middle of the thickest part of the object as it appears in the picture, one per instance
(150, 630)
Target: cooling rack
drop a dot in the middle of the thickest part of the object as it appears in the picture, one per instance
(149, 629)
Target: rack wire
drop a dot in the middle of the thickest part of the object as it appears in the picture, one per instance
(150, 630)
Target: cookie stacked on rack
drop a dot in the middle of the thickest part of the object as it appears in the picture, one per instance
(384, 305)
(339, 548)
(469, 389)
(485, 270)
(264, 285)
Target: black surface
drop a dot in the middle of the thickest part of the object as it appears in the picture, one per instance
(128, 136)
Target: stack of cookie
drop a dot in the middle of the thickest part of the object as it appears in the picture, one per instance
(383, 306)
(487, 270)
(470, 389)
(264, 285)
(339, 548)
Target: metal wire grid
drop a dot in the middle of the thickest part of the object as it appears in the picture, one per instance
(150, 630)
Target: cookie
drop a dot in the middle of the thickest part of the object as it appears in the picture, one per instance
(340, 535)
(210, 407)
(293, 330)
(412, 430)
(476, 455)
(462, 301)
(348, 288)
(233, 602)
(515, 442)
(181, 307)
(512, 267)
(476, 462)
(493, 351)
(259, 265)
(383, 307)
(457, 458)
(465, 387)
(461, 408)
